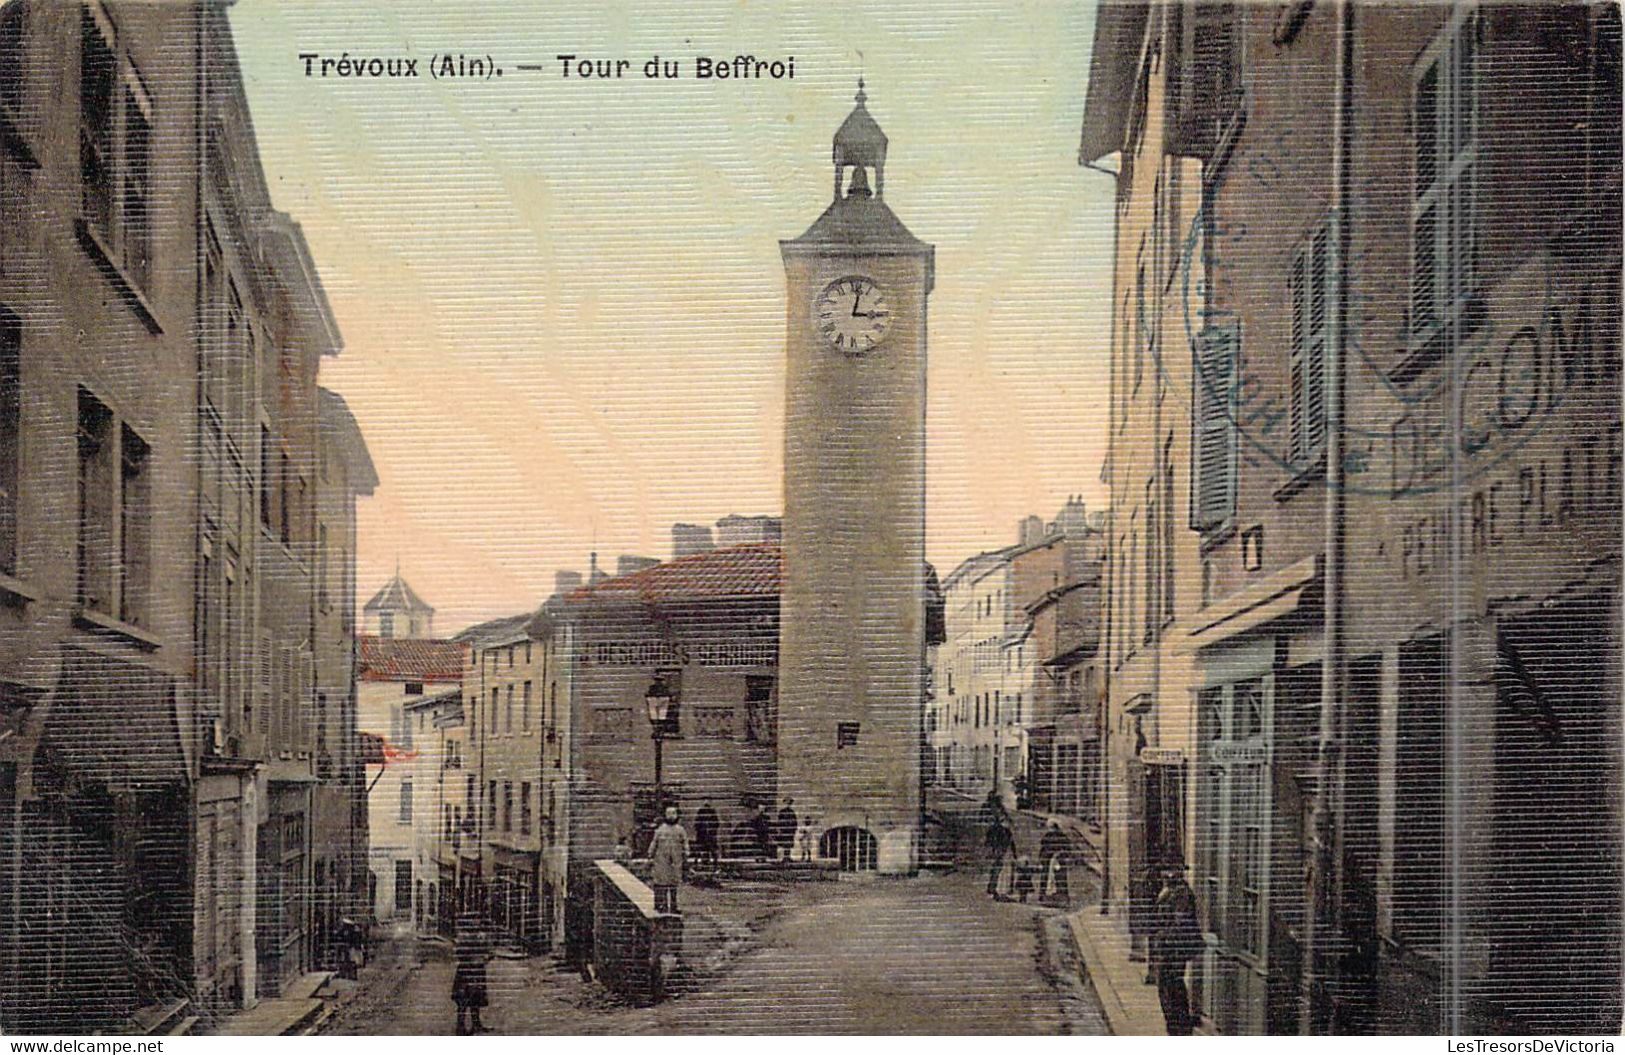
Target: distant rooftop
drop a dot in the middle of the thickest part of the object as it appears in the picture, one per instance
(409, 659)
(734, 571)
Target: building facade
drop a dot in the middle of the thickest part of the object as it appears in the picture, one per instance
(393, 674)
(506, 685)
(1399, 300)
(703, 630)
(159, 762)
(1020, 656)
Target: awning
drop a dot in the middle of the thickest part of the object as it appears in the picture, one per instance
(1272, 598)
(115, 722)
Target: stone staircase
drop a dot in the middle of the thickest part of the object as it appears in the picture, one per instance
(173, 1018)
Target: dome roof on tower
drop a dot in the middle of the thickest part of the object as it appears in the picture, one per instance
(859, 140)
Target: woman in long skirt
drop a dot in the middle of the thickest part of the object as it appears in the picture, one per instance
(468, 983)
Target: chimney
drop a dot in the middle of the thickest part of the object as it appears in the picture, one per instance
(626, 565)
(1073, 519)
(689, 539)
(595, 574)
(1030, 530)
(736, 530)
(565, 581)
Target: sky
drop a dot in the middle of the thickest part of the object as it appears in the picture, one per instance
(562, 301)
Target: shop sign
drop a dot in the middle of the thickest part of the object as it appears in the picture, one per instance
(1226, 751)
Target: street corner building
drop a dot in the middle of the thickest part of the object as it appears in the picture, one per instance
(180, 831)
(701, 633)
(1363, 621)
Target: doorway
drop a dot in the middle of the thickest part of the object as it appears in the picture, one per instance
(1555, 932)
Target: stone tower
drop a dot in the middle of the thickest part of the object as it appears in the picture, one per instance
(852, 631)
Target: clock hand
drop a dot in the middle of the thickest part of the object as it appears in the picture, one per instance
(856, 296)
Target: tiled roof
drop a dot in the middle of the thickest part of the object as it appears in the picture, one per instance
(397, 596)
(410, 659)
(735, 571)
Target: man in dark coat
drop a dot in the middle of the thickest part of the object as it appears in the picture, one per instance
(706, 826)
(1176, 939)
(1052, 854)
(784, 832)
(762, 828)
(1000, 843)
(468, 983)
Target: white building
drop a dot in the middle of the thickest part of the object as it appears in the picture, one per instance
(394, 675)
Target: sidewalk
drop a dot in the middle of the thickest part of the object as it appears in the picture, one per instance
(1131, 1005)
(296, 1009)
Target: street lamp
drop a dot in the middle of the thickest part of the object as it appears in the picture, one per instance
(658, 700)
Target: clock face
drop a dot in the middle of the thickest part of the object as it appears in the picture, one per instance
(852, 314)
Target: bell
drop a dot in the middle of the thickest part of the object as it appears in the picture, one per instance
(860, 182)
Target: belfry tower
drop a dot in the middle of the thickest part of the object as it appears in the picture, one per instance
(852, 610)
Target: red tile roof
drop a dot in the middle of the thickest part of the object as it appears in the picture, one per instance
(735, 571)
(410, 659)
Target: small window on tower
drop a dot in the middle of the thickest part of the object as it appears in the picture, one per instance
(846, 734)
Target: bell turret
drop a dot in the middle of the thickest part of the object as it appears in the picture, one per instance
(860, 145)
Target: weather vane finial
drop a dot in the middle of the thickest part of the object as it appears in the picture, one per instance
(862, 97)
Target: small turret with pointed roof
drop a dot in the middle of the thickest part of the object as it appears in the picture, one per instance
(396, 610)
(860, 144)
(858, 216)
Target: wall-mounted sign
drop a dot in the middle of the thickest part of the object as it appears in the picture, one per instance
(1162, 756)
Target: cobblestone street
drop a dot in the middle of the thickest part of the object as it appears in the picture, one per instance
(925, 955)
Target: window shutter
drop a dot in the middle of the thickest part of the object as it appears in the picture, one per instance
(266, 689)
(1309, 288)
(1214, 448)
(307, 687)
(1314, 359)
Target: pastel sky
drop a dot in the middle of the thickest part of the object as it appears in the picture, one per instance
(562, 301)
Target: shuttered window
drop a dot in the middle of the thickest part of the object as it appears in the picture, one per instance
(1444, 159)
(1309, 285)
(1213, 446)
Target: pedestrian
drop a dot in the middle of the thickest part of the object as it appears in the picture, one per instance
(1000, 843)
(468, 989)
(706, 826)
(784, 833)
(762, 828)
(802, 850)
(1022, 878)
(993, 805)
(622, 852)
(1052, 853)
(1175, 940)
(668, 853)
